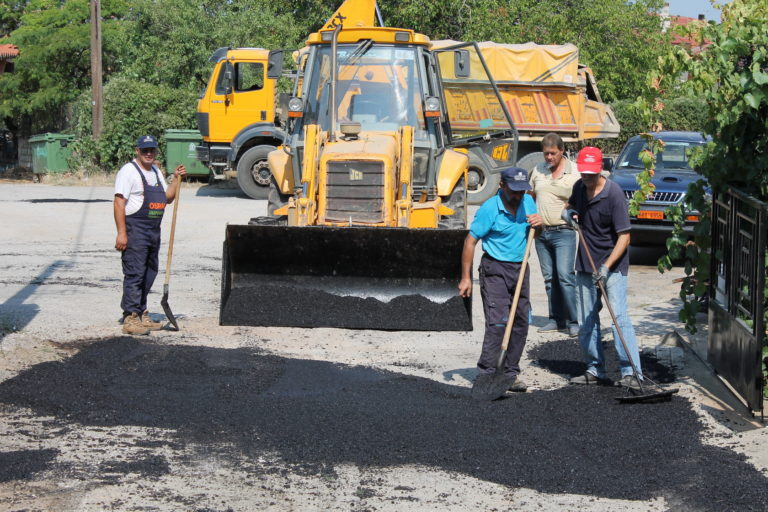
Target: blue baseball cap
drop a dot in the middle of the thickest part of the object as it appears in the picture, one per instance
(146, 141)
(515, 178)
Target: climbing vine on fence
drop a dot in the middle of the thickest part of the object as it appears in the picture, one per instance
(727, 68)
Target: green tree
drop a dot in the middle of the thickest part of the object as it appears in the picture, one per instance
(731, 76)
(54, 62)
(170, 41)
(131, 108)
(618, 39)
(439, 19)
(10, 14)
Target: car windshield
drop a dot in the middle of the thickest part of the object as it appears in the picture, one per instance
(378, 86)
(674, 156)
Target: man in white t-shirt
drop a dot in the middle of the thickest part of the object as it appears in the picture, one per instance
(141, 195)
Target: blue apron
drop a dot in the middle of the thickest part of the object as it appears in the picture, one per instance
(151, 212)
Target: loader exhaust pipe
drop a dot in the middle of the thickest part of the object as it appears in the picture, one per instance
(346, 277)
(334, 78)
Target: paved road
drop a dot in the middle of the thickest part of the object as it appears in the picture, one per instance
(231, 418)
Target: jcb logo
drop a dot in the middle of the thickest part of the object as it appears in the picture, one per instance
(355, 175)
(157, 206)
(501, 152)
(336, 21)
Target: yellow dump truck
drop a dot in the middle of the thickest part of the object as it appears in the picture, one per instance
(237, 119)
(544, 88)
(367, 197)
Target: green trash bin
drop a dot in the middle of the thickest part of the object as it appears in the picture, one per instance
(50, 152)
(180, 148)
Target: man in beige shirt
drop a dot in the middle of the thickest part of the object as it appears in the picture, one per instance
(552, 184)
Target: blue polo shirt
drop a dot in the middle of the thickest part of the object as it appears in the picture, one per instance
(601, 219)
(504, 235)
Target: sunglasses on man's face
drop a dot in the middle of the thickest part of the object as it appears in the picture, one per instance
(148, 151)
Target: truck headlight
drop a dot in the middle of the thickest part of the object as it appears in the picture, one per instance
(295, 107)
(432, 107)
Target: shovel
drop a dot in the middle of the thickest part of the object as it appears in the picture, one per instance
(650, 391)
(164, 300)
(490, 386)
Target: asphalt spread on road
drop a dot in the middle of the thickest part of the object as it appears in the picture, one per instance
(315, 415)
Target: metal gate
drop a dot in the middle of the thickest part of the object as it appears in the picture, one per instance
(737, 302)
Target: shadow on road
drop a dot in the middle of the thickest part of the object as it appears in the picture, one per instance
(315, 415)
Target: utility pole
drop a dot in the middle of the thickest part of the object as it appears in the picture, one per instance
(98, 121)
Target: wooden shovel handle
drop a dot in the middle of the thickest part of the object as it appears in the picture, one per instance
(173, 231)
(518, 289)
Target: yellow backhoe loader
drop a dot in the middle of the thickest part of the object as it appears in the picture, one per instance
(367, 198)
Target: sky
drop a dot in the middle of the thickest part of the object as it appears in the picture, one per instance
(692, 8)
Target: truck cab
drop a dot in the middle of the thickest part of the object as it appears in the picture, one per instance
(237, 119)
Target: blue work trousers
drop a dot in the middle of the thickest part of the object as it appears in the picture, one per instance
(557, 253)
(140, 264)
(498, 280)
(589, 303)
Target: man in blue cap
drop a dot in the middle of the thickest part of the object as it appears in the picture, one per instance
(141, 195)
(502, 223)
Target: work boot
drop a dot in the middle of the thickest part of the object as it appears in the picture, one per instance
(147, 322)
(132, 325)
(518, 386)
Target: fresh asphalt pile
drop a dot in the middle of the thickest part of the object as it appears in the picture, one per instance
(314, 415)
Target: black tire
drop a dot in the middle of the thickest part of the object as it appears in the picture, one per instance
(253, 171)
(487, 182)
(531, 160)
(275, 200)
(457, 202)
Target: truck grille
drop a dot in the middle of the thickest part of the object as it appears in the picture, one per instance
(659, 197)
(355, 190)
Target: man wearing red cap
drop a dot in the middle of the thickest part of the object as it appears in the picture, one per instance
(600, 208)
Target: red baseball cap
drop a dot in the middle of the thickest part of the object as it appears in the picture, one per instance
(590, 160)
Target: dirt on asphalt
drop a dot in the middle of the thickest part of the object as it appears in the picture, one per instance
(252, 418)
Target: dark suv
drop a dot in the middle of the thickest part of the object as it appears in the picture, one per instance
(672, 176)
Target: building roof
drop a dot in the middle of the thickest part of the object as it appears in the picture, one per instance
(8, 51)
(693, 45)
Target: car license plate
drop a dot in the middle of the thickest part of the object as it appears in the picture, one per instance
(650, 214)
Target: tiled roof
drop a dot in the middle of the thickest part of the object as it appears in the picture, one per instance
(694, 45)
(8, 51)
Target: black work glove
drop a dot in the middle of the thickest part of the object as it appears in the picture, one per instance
(569, 216)
(600, 275)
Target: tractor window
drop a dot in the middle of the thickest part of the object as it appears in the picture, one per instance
(378, 86)
(249, 76)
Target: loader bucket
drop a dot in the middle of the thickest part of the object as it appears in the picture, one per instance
(350, 277)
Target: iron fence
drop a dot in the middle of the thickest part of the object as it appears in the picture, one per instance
(737, 305)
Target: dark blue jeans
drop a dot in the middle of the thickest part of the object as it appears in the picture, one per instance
(557, 254)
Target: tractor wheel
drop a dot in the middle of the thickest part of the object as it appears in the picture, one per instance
(457, 202)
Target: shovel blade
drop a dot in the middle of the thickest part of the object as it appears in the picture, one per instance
(648, 398)
(490, 386)
(167, 309)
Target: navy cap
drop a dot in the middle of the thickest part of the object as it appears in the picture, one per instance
(515, 178)
(146, 141)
